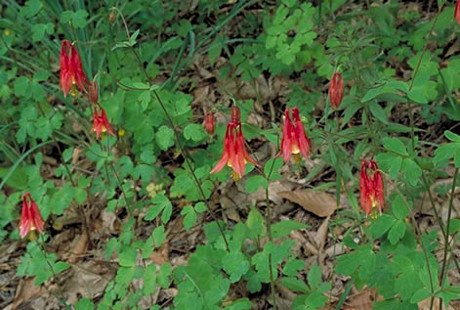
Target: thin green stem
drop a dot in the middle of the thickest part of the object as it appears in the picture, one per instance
(176, 135)
(189, 166)
(417, 68)
(446, 243)
(270, 237)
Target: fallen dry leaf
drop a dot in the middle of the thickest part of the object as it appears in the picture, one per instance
(318, 203)
(26, 291)
(79, 248)
(363, 300)
(425, 305)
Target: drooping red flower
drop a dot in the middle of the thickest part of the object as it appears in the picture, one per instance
(457, 12)
(30, 217)
(234, 155)
(101, 123)
(294, 140)
(209, 123)
(336, 90)
(371, 188)
(72, 74)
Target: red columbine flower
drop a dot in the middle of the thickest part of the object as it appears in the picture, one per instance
(209, 123)
(294, 140)
(30, 217)
(101, 123)
(235, 155)
(336, 90)
(457, 12)
(371, 188)
(72, 74)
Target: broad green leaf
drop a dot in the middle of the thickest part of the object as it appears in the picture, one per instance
(235, 265)
(378, 112)
(412, 171)
(164, 137)
(381, 225)
(295, 284)
(397, 232)
(284, 227)
(395, 145)
(399, 208)
(195, 132)
(254, 182)
(127, 257)
(314, 276)
(293, 266)
(255, 223)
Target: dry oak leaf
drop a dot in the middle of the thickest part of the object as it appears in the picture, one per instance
(318, 203)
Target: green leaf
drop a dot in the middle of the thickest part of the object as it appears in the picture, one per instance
(39, 31)
(240, 304)
(399, 208)
(420, 295)
(389, 162)
(445, 152)
(293, 266)
(235, 265)
(452, 136)
(158, 236)
(397, 232)
(378, 112)
(127, 257)
(294, 284)
(372, 93)
(381, 225)
(395, 145)
(84, 304)
(314, 276)
(271, 168)
(416, 94)
(284, 227)
(454, 226)
(189, 218)
(161, 203)
(165, 137)
(412, 171)
(78, 18)
(31, 8)
(255, 223)
(195, 132)
(21, 85)
(254, 182)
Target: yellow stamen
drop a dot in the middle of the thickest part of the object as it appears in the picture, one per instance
(235, 176)
(296, 157)
(121, 132)
(7, 32)
(74, 91)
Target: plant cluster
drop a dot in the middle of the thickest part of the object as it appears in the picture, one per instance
(106, 121)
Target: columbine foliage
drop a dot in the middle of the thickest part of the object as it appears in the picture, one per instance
(113, 118)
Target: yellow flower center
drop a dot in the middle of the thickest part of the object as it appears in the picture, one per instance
(74, 91)
(296, 157)
(235, 176)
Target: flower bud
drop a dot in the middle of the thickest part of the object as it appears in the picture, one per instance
(112, 16)
(209, 123)
(336, 90)
(93, 92)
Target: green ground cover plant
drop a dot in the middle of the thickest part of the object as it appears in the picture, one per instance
(229, 154)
